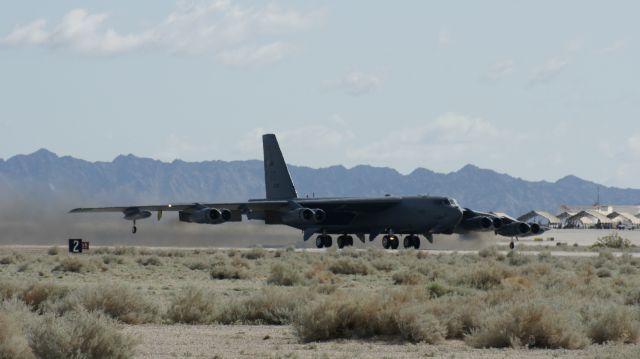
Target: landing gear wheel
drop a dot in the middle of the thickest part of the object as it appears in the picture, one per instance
(340, 242)
(416, 242)
(407, 242)
(326, 241)
(385, 242)
(512, 245)
(349, 241)
(319, 242)
(395, 242)
(134, 229)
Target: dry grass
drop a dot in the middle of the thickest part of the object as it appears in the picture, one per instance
(13, 342)
(79, 334)
(488, 300)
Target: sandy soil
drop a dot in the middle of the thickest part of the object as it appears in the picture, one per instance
(254, 341)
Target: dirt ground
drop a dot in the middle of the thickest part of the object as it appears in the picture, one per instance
(268, 341)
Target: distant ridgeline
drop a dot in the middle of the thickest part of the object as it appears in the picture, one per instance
(53, 180)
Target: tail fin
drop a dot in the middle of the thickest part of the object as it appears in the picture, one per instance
(276, 175)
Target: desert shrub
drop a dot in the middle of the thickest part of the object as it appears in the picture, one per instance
(125, 251)
(632, 297)
(608, 322)
(7, 260)
(36, 294)
(459, 315)
(255, 253)
(415, 324)
(485, 277)
(349, 266)
(53, 251)
(111, 258)
(149, 261)
(515, 258)
(13, 342)
(285, 275)
(407, 277)
(269, 306)
(192, 306)
(197, 265)
(383, 264)
(437, 289)
(614, 240)
(174, 253)
(603, 273)
(79, 334)
(10, 289)
(365, 314)
(77, 265)
(224, 269)
(489, 252)
(533, 323)
(117, 301)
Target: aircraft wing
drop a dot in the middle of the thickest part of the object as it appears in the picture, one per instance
(337, 204)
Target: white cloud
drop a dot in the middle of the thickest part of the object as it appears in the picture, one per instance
(239, 34)
(356, 83)
(500, 70)
(449, 140)
(615, 47)
(548, 71)
(444, 38)
(261, 55)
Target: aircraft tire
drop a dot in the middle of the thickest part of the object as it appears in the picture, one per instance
(349, 241)
(327, 242)
(319, 241)
(407, 242)
(512, 245)
(134, 229)
(340, 241)
(416, 242)
(395, 243)
(385, 242)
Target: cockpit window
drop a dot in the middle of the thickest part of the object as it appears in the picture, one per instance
(453, 202)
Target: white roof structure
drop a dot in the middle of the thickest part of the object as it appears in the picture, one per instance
(548, 216)
(623, 217)
(594, 216)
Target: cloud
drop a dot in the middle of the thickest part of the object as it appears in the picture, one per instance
(615, 47)
(448, 139)
(356, 83)
(500, 70)
(444, 38)
(548, 71)
(260, 55)
(238, 34)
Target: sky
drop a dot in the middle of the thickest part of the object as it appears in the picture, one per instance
(537, 89)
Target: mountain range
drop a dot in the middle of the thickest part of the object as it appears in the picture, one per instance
(50, 180)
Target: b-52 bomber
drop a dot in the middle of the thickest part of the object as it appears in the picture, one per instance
(389, 216)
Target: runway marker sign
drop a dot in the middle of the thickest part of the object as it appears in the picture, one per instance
(77, 245)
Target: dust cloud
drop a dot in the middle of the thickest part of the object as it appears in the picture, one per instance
(30, 223)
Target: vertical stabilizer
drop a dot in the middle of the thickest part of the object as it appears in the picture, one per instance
(276, 175)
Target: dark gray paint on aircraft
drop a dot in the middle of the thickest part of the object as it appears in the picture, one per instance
(363, 217)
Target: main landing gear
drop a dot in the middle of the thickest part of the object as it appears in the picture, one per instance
(324, 240)
(411, 241)
(344, 241)
(134, 229)
(390, 241)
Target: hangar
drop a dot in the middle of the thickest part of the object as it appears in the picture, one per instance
(626, 219)
(589, 219)
(542, 218)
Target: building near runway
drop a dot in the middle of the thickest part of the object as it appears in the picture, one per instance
(542, 218)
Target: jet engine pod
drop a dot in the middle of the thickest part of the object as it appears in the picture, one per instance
(134, 213)
(299, 216)
(514, 229)
(206, 216)
(319, 215)
(478, 223)
(497, 223)
(535, 228)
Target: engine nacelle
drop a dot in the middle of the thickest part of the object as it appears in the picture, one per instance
(478, 223)
(206, 216)
(514, 229)
(300, 216)
(135, 213)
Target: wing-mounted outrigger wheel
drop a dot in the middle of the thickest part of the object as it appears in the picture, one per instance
(133, 214)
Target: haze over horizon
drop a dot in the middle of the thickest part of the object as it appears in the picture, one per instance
(422, 85)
